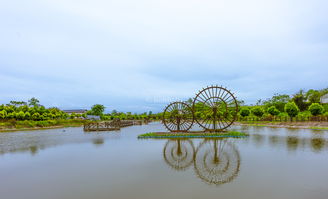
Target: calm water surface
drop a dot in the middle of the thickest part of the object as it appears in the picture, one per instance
(70, 164)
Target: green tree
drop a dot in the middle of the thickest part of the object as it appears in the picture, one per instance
(27, 116)
(17, 103)
(300, 100)
(20, 115)
(278, 101)
(244, 112)
(316, 109)
(97, 109)
(272, 110)
(3, 114)
(36, 116)
(291, 109)
(33, 102)
(258, 111)
(72, 116)
(313, 96)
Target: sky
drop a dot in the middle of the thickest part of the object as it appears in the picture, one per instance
(140, 55)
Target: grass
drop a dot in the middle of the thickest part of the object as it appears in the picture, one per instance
(193, 135)
(14, 125)
(318, 128)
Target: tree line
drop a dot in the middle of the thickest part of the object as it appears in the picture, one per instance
(302, 104)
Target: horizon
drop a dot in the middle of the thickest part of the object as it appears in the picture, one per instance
(139, 56)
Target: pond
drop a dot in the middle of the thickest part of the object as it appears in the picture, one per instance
(68, 163)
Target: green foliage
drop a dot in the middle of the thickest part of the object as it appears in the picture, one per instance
(313, 96)
(291, 109)
(278, 101)
(244, 112)
(305, 114)
(20, 115)
(300, 100)
(272, 110)
(3, 114)
(33, 102)
(258, 111)
(36, 116)
(195, 135)
(316, 109)
(97, 109)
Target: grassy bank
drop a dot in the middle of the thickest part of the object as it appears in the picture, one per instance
(193, 135)
(298, 125)
(13, 125)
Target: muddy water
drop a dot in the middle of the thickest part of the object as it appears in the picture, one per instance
(70, 164)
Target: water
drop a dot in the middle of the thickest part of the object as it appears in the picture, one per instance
(68, 163)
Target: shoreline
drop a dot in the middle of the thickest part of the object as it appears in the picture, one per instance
(293, 125)
(9, 130)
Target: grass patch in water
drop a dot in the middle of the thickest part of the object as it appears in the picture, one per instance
(193, 135)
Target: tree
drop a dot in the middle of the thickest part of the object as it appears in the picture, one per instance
(20, 115)
(27, 116)
(3, 114)
(17, 103)
(316, 109)
(258, 111)
(278, 101)
(36, 116)
(33, 102)
(244, 112)
(291, 109)
(272, 110)
(313, 96)
(97, 109)
(300, 100)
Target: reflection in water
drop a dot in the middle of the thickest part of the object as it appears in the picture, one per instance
(317, 144)
(98, 141)
(179, 154)
(293, 142)
(216, 161)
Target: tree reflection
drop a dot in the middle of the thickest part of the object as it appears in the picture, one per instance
(216, 161)
(317, 144)
(292, 142)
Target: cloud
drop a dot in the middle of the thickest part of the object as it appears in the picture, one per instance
(73, 54)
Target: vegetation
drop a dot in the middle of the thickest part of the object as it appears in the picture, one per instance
(258, 111)
(272, 110)
(302, 105)
(316, 109)
(291, 109)
(31, 114)
(193, 135)
(244, 112)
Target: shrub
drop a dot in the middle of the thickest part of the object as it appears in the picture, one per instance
(27, 116)
(316, 109)
(272, 110)
(3, 114)
(244, 112)
(291, 109)
(20, 115)
(258, 111)
(36, 116)
(305, 114)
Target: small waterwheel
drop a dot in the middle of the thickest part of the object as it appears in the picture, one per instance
(178, 117)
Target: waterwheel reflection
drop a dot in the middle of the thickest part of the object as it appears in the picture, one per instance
(179, 154)
(216, 161)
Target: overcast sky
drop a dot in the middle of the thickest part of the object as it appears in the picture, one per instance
(137, 55)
